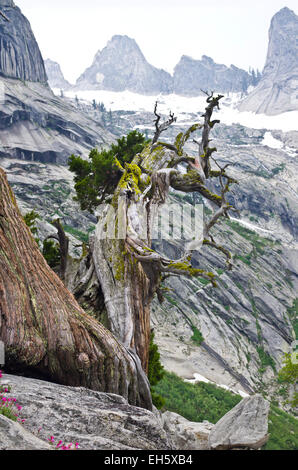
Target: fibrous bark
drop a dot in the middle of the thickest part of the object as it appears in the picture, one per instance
(45, 332)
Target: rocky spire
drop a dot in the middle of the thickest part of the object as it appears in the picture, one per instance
(55, 75)
(277, 91)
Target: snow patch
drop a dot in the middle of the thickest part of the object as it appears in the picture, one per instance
(250, 226)
(200, 378)
(270, 141)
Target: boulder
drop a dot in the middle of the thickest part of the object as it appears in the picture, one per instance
(245, 426)
(96, 420)
(186, 435)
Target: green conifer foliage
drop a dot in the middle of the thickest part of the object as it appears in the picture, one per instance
(97, 178)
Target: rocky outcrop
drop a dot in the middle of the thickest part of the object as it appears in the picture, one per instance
(93, 419)
(36, 125)
(192, 76)
(122, 66)
(104, 421)
(186, 435)
(245, 426)
(55, 76)
(13, 436)
(20, 56)
(277, 91)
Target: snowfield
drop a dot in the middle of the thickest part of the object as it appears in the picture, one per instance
(185, 107)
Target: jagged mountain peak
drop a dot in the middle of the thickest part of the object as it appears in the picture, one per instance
(122, 44)
(206, 58)
(192, 75)
(55, 76)
(120, 66)
(285, 14)
(120, 48)
(122, 39)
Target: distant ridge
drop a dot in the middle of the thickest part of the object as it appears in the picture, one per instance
(122, 66)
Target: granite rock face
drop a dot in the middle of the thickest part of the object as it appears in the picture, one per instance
(122, 66)
(55, 76)
(277, 91)
(95, 420)
(192, 76)
(245, 426)
(20, 56)
(246, 322)
(35, 125)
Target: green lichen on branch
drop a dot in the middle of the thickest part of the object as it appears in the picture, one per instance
(187, 270)
(190, 182)
(131, 178)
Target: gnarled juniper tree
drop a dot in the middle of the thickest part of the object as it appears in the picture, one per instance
(128, 269)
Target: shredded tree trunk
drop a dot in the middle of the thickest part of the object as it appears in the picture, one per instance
(45, 332)
(128, 269)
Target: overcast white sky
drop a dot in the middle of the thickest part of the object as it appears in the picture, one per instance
(230, 31)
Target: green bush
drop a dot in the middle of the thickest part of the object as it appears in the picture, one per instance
(82, 236)
(51, 253)
(30, 220)
(197, 336)
(265, 359)
(283, 430)
(205, 401)
(289, 375)
(196, 402)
